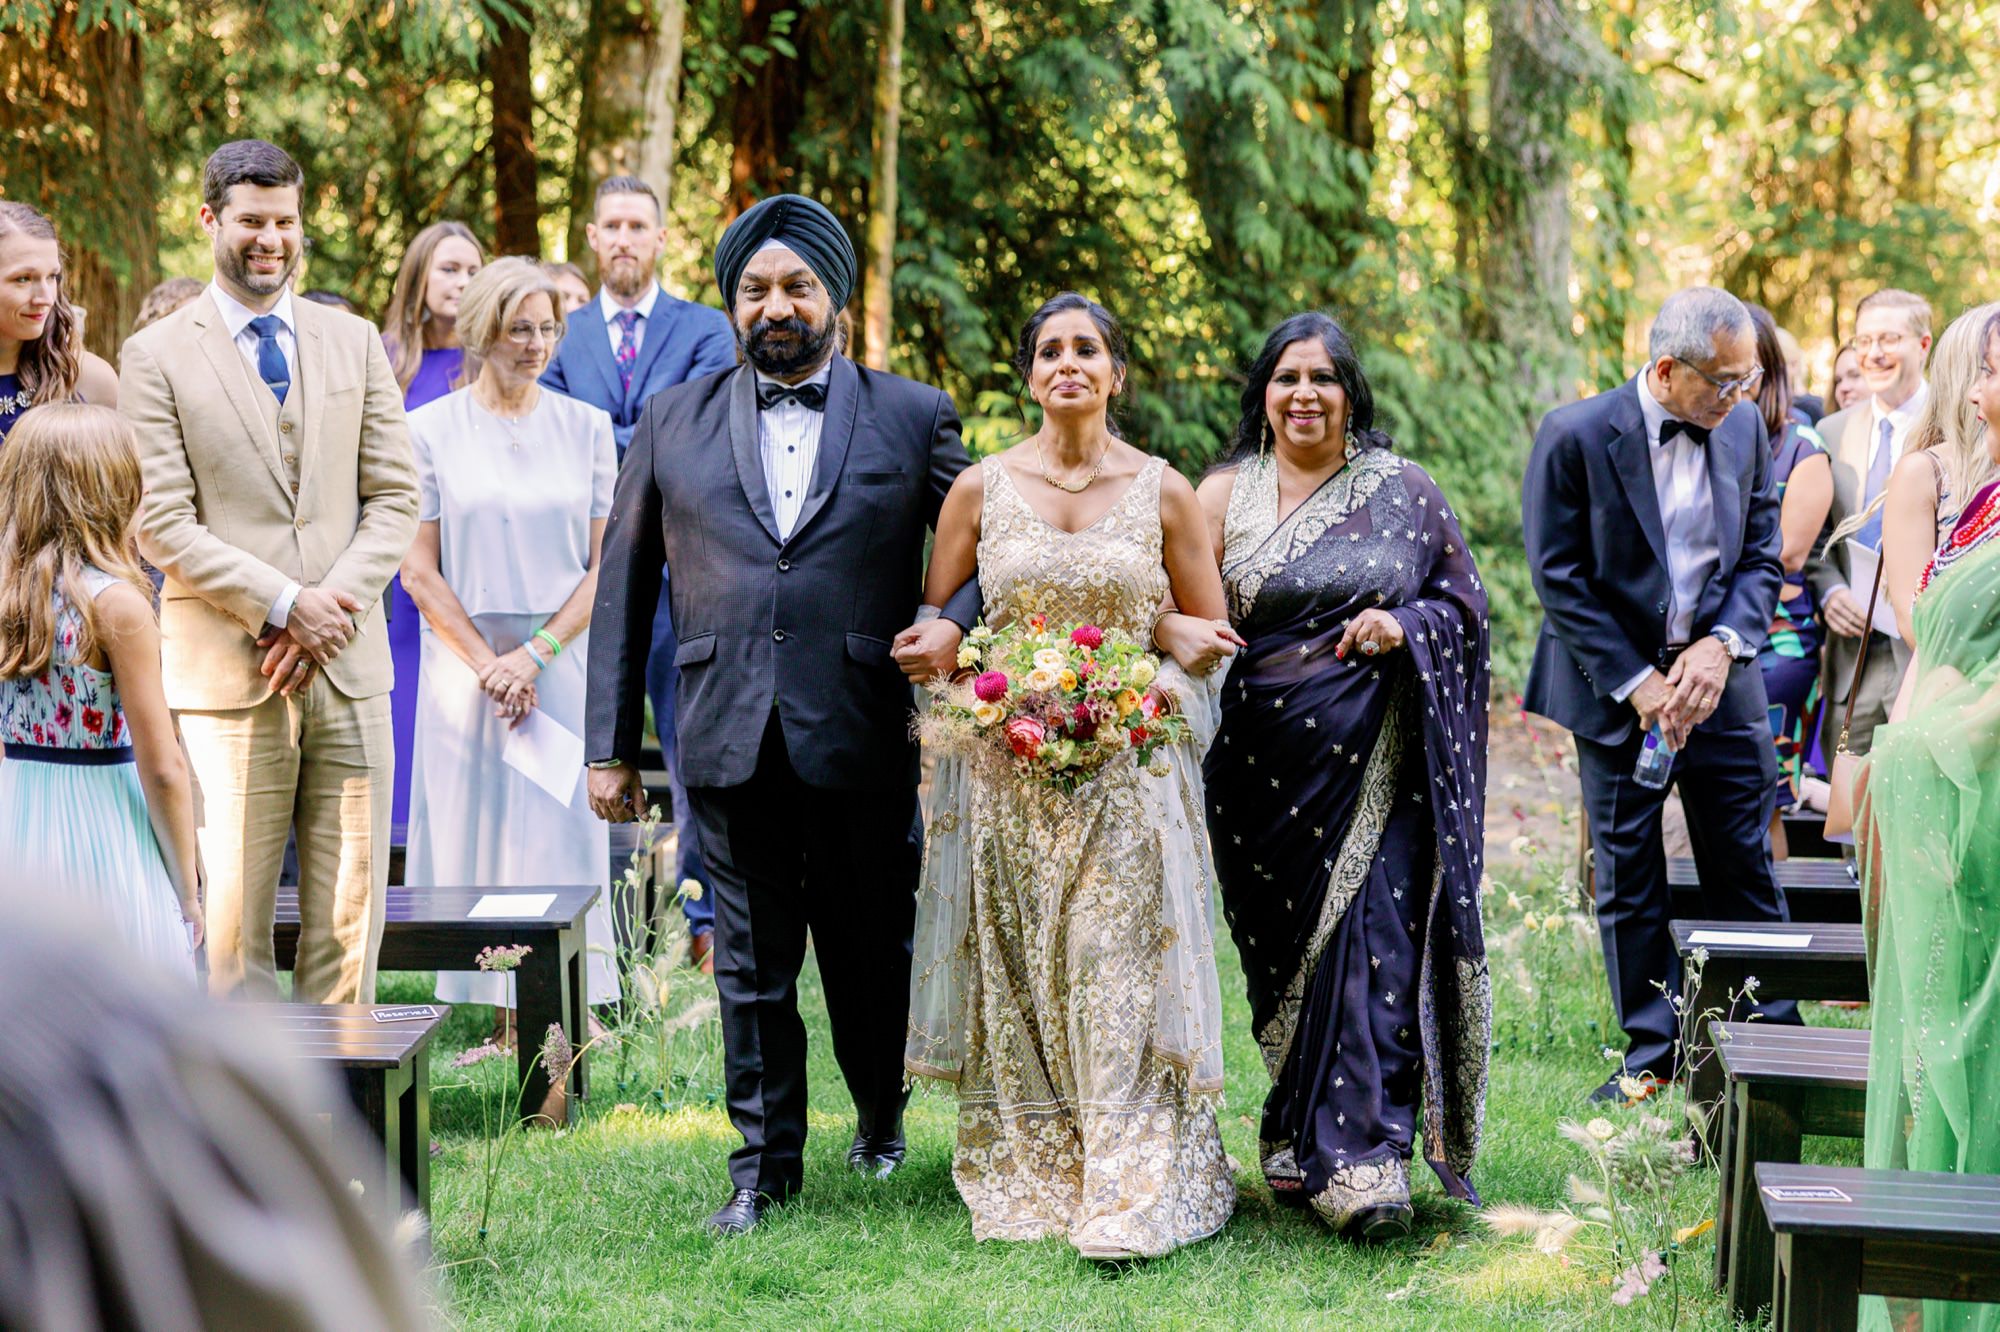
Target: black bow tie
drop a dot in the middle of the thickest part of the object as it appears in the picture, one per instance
(812, 397)
(1673, 426)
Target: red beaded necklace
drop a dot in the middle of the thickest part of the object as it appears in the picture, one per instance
(1970, 531)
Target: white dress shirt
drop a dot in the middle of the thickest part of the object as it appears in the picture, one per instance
(788, 440)
(236, 317)
(609, 304)
(1901, 420)
(1687, 512)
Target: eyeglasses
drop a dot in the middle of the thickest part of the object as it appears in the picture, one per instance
(1729, 388)
(1888, 342)
(523, 334)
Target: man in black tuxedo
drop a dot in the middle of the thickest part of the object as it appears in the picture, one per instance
(1651, 527)
(790, 496)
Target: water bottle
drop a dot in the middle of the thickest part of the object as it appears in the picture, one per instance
(1656, 762)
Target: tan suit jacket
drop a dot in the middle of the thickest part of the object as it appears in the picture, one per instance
(234, 511)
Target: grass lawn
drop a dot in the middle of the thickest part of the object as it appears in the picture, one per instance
(600, 1226)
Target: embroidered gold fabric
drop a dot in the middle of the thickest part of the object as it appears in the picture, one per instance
(1084, 966)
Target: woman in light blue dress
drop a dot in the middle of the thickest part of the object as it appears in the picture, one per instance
(96, 807)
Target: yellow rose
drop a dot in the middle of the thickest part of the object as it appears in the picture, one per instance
(1142, 673)
(1128, 703)
(1067, 680)
(1050, 659)
(986, 714)
(968, 656)
(1041, 680)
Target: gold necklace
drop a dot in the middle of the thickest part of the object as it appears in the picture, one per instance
(1080, 486)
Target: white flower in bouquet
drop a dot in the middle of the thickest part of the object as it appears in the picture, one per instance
(1050, 659)
(1142, 673)
(987, 714)
(1043, 678)
(968, 656)
(1114, 738)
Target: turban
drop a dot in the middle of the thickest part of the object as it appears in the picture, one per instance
(803, 226)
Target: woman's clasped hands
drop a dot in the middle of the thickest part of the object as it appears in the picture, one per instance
(509, 680)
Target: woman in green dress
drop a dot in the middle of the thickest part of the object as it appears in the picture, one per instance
(1929, 801)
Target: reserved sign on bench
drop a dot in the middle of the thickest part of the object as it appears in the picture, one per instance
(406, 1013)
(1804, 1193)
(1747, 939)
(505, 906)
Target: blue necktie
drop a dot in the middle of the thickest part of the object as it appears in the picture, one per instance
(271, 366)
(627, 352)
(1878, 480)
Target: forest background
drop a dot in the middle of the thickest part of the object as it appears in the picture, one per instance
(1491, 194)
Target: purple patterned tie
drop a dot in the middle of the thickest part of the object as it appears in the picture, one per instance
(627, 354)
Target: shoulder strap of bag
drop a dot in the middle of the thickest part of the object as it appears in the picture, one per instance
(1860, 662)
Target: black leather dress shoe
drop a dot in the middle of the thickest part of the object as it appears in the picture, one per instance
(745, 1208)
(876, 1157)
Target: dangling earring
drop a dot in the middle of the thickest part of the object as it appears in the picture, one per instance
(1352, 446)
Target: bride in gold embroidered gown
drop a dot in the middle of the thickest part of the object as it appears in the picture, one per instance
(1065, 972)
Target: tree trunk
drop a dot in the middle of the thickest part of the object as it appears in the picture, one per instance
(517, 208)
(1534, 66)
(768, 108)
(882, 190)
(72, 110)
(631, 101)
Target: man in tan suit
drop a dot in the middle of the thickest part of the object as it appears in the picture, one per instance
(1892, 334)
(280, 496)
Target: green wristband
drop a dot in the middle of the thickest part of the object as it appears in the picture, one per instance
(555, 644)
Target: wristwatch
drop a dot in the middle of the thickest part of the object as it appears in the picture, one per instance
(1732, 642)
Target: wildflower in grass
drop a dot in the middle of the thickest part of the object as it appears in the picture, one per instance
(503, 957)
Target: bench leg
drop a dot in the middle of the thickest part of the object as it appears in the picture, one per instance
(578, 962)
(1703, 1071)
(414, 1119)
(1768, 1129)
(542, 989)
(1725, 1204)
(1817, 1285)
(369, 1090)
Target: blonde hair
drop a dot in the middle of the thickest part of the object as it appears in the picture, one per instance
(491, 299)
(164, 299)
(1914, 306)
(1949, 426)
(50, 365)
(409, 304)
(69, 489)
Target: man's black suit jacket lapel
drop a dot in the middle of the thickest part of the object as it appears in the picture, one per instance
(1631, 456)
(1727, 496)
(743, 441)
(843, 398)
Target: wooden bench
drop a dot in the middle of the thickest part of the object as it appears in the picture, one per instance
(429, 929)
(386, 1067)
(1782, 1083)
(1815, 890)
(1877, 1232)
(1805, 837)
(1833, 965)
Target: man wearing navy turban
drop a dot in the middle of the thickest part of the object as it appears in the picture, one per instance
(791, 496)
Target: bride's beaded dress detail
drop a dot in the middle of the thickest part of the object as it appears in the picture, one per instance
(1083, 1031)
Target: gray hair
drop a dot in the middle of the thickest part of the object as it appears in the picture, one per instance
(1691, 320)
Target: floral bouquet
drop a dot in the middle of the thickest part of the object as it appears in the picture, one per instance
(1057, 705)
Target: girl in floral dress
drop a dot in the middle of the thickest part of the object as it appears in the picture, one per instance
(95, 802)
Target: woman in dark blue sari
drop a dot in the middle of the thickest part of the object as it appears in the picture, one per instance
(1346, 788)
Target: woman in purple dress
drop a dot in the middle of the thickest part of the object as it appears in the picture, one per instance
(420, 331)
(1346, 788)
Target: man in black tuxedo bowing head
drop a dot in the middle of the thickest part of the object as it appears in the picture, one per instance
(790, 496)
(1652, 534)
